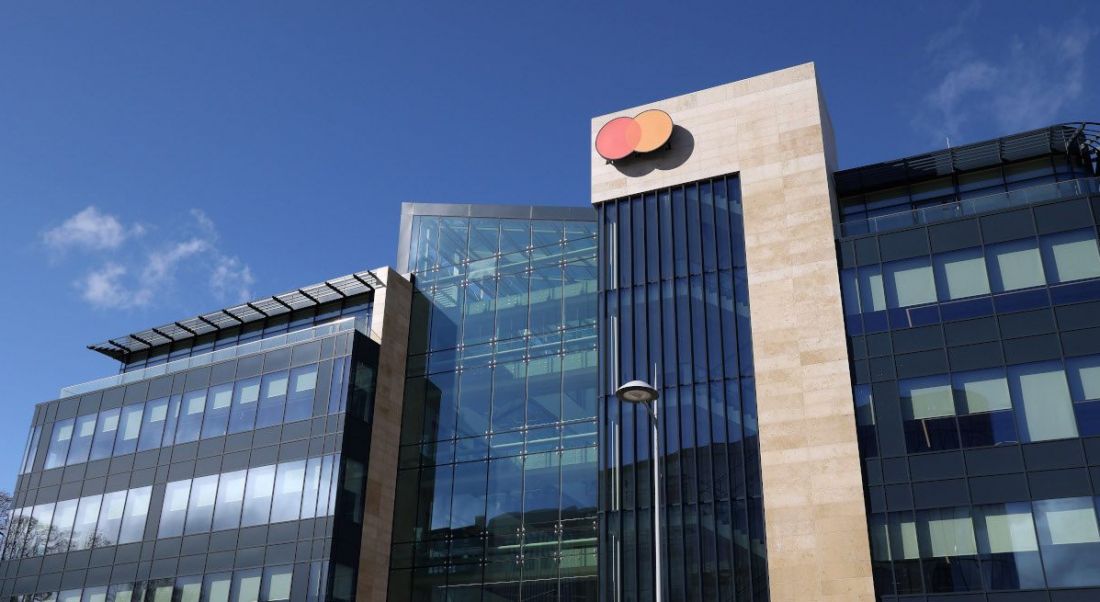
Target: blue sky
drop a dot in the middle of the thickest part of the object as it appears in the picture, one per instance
(158, 161)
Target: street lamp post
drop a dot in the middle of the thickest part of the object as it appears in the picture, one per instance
(637, 391)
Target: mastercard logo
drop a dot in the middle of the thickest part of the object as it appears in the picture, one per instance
(645, 132)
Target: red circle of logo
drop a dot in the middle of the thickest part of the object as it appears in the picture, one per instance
(618, 137)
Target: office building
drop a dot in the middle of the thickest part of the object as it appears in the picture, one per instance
(229, 457)
(873, 383)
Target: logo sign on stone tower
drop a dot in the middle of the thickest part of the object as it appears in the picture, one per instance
(644, 133)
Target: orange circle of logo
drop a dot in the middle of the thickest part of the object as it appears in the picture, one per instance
(645, 132)
(656, 130)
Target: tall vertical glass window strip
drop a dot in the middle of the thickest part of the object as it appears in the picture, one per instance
(497, 483)
(674, 311)
(30, 450)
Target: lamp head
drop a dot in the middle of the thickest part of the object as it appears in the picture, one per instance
(637, 391)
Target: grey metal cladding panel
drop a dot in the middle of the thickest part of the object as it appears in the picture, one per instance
(244, 313)
(1031, 145)
(350, 286)
(197, 325)
(296, 299)
(370, 279)
(977, 156)
(323, 293)
(149, 337)
(173, 331)
(930, 166)
(269, 306)
(221, 319)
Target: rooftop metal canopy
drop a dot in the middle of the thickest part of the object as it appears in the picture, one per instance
(252, 311)
(1062, 138)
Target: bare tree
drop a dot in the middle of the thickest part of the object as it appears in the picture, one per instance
(6, 500)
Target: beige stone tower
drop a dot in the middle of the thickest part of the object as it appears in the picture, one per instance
(773, 130)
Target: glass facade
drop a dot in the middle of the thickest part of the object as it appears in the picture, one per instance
(228, 459)
(1047, 543)
(261, 495)
(972, 178)
(78, 524)
(674, 308)
(975, 359)
(496, 488)
(916, 285)
(282, 391)
(268, 583)
(227, 481)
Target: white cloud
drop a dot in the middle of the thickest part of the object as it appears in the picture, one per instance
(162, 264)
(90, 229)
(137, 277)
(103, 288)
(1022, 86)
(948, 97)
(1045, 75)
(948, 37)
(204, 222)
(232, 280)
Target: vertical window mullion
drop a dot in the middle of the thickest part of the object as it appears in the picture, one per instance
(638, 234)
(653, 239)
(724, 242)
(625, 239)
(679, 236)
(666, 246)
(708, 232)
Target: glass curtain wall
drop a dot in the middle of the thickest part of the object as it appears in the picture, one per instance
(496, 491)
(1000, 277)
(285, 385)
(246, 585)
(289, 491)
(674, 311)
(993, 547)
(976, 370)
(287, 429)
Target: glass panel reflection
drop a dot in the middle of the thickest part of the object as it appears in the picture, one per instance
(509, 321)
(248, 403)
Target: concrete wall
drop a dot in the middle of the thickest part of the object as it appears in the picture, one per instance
(390, 328)
(774, 131)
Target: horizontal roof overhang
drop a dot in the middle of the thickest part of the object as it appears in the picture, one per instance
(1061, 138)
(253, 311)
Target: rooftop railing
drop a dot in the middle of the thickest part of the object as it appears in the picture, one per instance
(265, 344)
(974, 206)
